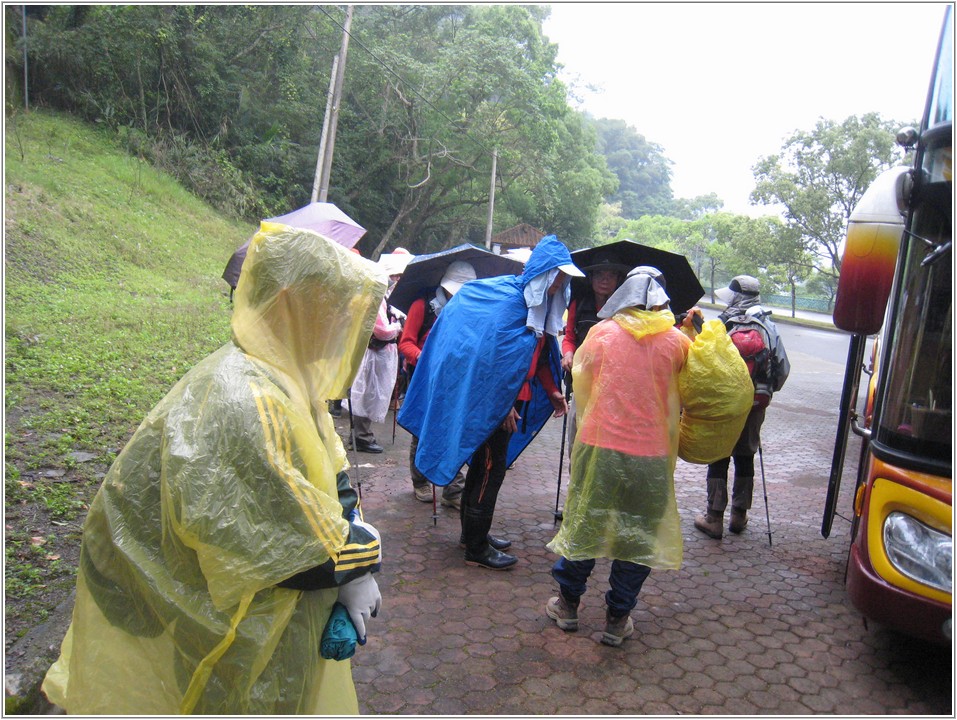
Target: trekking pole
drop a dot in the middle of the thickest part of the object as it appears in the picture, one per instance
(355, 448)
(395, 401)
(557, 515)
(435, 509)
(767, 513)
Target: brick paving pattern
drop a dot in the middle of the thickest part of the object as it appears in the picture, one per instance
(742, 628)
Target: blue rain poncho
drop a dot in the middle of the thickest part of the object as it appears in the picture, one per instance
(232, 484)
(473, 364)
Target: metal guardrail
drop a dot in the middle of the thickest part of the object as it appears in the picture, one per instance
(813, 304)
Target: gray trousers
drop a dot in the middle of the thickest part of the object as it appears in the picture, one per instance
(362, 426)
(743, 454)
(449, 492)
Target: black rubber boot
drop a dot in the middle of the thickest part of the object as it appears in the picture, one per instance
(478, 551)
(496, 542)
(491, 558)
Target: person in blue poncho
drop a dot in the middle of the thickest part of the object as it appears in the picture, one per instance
(486, 382)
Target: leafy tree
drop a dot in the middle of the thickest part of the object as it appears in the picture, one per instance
(697, 207)
(473, 80)
(819, 176)
(775, 250)
(822, 285)
(610, 222)
(231, 98)
(643, 171)
(711, 245)
(659, 231)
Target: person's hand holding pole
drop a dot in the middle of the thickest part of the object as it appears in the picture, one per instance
(559, 403)
(567, 361)
(510, 424)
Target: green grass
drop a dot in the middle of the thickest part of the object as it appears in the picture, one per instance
(113, 290)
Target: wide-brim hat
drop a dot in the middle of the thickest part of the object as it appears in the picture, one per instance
(456, 275)
(607, 261)
(739, 285)
(395, 263)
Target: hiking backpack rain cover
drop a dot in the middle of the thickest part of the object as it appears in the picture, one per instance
(757, 340)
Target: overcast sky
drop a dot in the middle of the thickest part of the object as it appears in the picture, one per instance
(719, 85)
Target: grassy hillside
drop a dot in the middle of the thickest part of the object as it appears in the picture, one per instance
(112, 292)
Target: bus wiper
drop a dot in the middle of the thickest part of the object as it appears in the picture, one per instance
(936, 254)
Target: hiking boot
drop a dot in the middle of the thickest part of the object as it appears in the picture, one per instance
(490, 558)
(739, 521)
(616, 629)
(710, 524)
(495, 542)
(423, 494)
(452, 502)
(563, 613)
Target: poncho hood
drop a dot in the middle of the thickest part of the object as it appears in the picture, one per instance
(295, 305)
(639, 323)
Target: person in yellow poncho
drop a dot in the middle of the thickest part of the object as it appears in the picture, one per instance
(621, 499)
(226, 529)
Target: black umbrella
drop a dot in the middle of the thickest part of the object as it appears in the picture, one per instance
(235, 264)
(683, 288)
(426, 271)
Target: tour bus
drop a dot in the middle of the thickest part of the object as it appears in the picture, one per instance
(896, 283)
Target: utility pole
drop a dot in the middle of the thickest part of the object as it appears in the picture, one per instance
(325, 130)
(26, 84)
(332, 114)
(491, 202)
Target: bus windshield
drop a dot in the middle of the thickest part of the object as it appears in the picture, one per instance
(917, 413)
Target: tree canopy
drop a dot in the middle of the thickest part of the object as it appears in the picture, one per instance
(819, 177)
(231, 100)
(643, 171)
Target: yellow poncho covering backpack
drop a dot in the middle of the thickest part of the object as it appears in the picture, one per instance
(718, 394)
(232, 484)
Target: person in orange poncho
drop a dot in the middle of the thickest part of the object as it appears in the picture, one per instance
(621, 499)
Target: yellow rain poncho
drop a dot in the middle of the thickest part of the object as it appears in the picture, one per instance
(621, 498)
(714, 415)
(232, 484)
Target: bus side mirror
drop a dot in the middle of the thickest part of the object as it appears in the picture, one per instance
(874, 232)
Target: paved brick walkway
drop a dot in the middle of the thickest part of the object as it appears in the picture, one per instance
(742, 628)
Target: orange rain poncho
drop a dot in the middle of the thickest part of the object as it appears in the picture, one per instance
(229, 487)
(621, 497)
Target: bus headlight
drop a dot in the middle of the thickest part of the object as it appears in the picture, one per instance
(919, 551)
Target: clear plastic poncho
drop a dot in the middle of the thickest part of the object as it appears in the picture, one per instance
(227, 488)
(372, 389)
(621, 497)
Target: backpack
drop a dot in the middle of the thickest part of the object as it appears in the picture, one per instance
(760, 347)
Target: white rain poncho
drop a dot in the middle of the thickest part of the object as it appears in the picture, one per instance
(621, 497)
(227, 488)
(372, 389)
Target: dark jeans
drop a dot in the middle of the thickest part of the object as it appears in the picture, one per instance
(625, 579)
